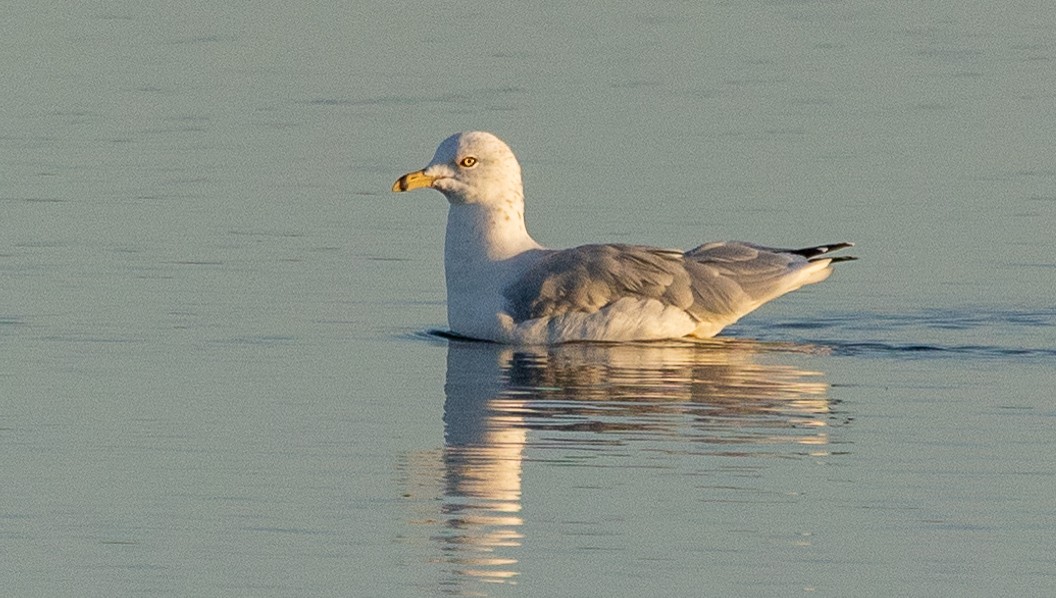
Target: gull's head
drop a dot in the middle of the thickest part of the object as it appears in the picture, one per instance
(470, 168)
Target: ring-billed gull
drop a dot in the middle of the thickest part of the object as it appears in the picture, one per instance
(503, 286)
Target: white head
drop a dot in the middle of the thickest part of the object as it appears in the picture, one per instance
(470, 168)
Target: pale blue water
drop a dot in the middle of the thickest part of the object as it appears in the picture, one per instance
(217, 376)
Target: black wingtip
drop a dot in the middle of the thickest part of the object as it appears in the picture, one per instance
(823, 250)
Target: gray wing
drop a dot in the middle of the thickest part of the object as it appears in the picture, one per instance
(714, 281)
(589, 277)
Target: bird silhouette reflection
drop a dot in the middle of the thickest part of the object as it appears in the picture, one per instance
(719, 397)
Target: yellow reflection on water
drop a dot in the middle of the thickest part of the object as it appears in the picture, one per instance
(718, 397)
(482, 499)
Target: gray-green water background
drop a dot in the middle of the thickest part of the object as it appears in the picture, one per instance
(215, 377)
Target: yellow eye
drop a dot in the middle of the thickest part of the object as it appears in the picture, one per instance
(468, 162)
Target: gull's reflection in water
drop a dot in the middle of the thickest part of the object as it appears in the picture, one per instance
(715, 398)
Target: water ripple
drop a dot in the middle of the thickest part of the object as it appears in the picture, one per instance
(929, 350)
(926, 334)
(984, 333)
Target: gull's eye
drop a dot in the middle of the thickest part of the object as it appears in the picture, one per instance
(467, 162)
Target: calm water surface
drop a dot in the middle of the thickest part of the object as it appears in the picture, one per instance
(219, 371)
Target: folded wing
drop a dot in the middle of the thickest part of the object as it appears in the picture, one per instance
(714, 283)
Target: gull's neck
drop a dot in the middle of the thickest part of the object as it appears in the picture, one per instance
(481, 233)
(486, 247)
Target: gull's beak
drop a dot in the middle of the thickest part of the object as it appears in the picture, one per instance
(413, 180)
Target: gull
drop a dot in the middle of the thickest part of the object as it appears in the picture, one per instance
(503, 286)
